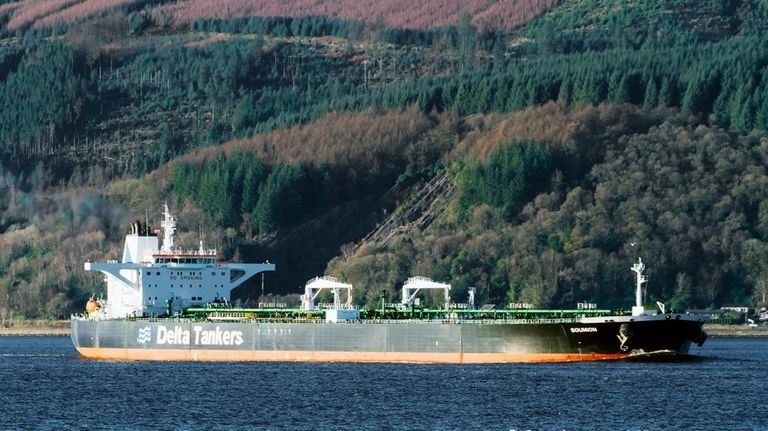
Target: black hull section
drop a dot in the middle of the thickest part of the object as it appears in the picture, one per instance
(387, 341)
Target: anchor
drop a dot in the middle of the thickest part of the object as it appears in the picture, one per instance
(624, 335)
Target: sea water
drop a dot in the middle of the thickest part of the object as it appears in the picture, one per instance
(47, 386)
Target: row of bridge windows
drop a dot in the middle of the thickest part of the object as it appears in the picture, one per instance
(199, 260)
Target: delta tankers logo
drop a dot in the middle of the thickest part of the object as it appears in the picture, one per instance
(145, 335)
(178, 335)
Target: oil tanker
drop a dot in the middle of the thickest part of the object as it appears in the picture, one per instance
(167, 304)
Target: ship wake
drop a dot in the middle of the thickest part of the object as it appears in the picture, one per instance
(662, 356)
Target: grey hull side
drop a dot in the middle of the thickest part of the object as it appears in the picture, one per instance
(419, 341)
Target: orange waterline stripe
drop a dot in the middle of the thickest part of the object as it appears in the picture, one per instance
(336, 356)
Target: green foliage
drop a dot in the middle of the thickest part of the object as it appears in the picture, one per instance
(541, 223)
(240, 189)
(696, 79)
(267, 72)
(606, 24)
(225, 187)
(683, 295)
(284, 198)
(690, 200)
(39, 100)
(308, 26)
(138, 22)
(513, 173)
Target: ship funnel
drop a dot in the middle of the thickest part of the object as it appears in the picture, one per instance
(169, 229)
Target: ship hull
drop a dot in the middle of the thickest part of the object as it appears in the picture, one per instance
(386, 341)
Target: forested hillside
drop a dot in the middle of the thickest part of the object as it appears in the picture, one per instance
(521, 147)
(555, 217)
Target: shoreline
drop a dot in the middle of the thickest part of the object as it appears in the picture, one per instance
(717, 330)
(35, 328)
(61, 328)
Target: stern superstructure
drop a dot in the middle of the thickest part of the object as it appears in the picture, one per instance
(154, 279)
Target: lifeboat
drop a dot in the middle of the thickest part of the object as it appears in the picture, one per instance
(92, 306)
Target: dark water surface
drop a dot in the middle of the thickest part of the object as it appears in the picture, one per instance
(46, 385)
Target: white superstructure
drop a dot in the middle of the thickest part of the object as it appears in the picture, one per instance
(639, 309)
(152, 280)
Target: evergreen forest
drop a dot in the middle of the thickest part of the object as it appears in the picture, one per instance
(533, 151)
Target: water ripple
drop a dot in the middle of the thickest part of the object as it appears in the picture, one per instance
(47, 386)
